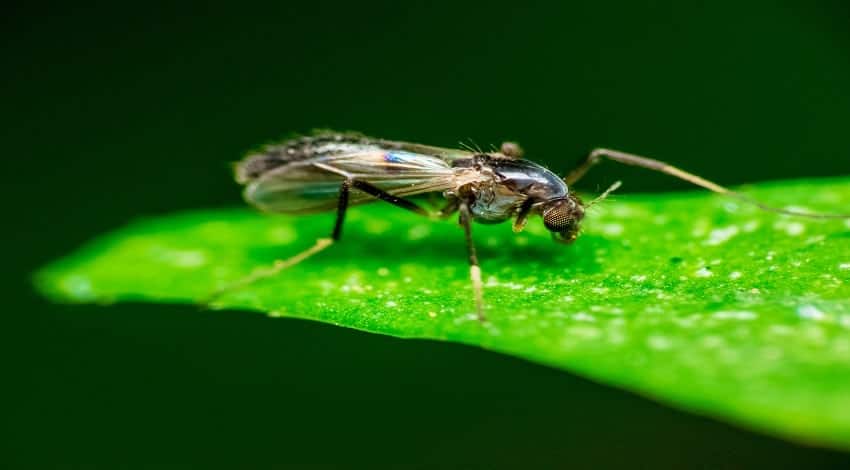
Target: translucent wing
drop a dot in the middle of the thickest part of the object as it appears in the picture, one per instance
(312, 184)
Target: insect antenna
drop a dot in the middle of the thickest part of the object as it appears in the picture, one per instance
(604, 195)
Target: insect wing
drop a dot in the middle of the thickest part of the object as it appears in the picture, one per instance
(313, 185)
(445, 154)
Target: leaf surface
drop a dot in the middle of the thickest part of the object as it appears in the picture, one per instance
(689, 298)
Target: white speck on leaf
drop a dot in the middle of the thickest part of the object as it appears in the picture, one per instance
(377, 226)
(613, 229)
(418, 232)
(781, 330)
(733, 315)
(712, 341)
(810, 312)
(660, 343)
(586, 332)
(751, 226)
(468, 318)
(792, 228)
(735, 275)
(719, 236)
(704, 272)
(582, 316)
(700, 227)
(186, 259)
(281, 235)
(492, 281)
(795, 228)
(815, 239)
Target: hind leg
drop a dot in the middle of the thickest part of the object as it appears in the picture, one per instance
(322, 243)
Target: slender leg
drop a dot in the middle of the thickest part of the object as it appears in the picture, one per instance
(374, 191)
(522, 215)
(597, 155)
(655, 165)
(387, 197)
(275, 268)
(321, 243)
(474, 270)
(280, 265)
(341, 208)
(450, 208)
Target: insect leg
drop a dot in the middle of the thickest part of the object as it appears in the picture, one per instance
(597, 155)
(452, 205)
(374, 191)
(465, 220)
(274, 269)
(280, 265)
(522, 215)
(341, 209)
(387, 197)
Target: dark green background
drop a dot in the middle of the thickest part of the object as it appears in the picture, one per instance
(112, 112)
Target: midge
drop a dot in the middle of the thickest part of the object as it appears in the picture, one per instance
(332, 171)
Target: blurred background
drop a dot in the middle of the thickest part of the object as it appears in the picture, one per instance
(111, 112)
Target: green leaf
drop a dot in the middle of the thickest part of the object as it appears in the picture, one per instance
(692, 299)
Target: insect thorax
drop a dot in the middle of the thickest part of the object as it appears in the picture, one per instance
(513, 182)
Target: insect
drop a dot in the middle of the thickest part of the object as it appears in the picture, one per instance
(331, 171)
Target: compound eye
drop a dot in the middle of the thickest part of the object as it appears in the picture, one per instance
(559, 216)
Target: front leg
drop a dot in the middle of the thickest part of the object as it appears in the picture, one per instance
(452, 205)
(597, 155)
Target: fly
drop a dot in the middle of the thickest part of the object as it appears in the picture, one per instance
(332, 171)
